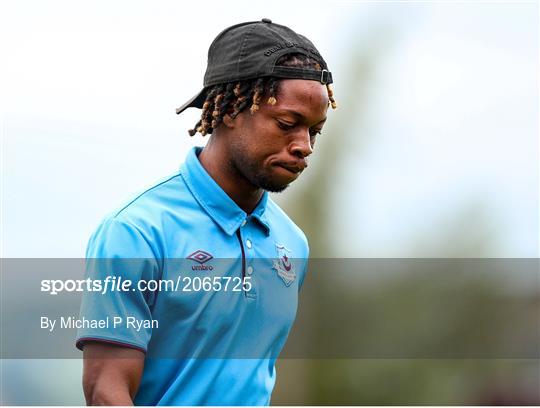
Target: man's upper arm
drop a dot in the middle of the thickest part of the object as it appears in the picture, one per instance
(117, 252)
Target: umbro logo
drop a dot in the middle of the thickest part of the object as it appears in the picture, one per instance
(201, 257)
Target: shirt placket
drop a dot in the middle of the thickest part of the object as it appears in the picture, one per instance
(246, 238)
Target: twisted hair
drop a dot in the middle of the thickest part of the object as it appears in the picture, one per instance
(234, 97)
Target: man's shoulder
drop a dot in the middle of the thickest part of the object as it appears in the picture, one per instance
(137, 225)
(164, 195)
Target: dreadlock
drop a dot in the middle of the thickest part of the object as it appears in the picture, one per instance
(233, 98)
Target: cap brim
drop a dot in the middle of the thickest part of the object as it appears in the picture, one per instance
(196, 102)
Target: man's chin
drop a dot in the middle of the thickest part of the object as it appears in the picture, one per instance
(275, 189)
(271, 185)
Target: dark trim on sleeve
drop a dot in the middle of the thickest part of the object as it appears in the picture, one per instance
(80, 343)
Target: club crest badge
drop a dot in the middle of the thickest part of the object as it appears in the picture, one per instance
(201, 257)
(283, 265)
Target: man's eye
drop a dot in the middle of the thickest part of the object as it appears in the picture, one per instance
(314, 132)
(284, 126)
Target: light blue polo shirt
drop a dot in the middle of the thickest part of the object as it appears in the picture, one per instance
(212, 344)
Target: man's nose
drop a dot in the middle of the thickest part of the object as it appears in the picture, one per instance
(301, 147)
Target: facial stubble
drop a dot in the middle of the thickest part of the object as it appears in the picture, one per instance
(254, 173)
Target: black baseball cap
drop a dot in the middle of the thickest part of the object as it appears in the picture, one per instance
(250, 50)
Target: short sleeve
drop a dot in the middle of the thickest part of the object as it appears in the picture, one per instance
(114, 309)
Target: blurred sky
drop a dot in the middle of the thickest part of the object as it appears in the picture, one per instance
(89, 89)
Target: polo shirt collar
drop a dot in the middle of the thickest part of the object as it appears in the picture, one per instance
(219, 206)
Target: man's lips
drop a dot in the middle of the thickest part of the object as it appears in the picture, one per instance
(293, 167)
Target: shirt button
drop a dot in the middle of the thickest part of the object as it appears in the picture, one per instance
(250, 270)
(244, 223)
(248, 243)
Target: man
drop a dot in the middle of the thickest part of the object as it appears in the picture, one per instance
(240, 261)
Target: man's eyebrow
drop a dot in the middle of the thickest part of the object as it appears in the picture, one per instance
(296, 114)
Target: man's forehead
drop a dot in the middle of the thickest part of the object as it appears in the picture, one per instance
(299, 87)
(297, 114)
(303, 99)
(303, 90)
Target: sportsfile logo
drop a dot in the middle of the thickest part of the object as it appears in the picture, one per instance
(201, 257)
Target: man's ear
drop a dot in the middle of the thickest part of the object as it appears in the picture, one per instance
(228, 121)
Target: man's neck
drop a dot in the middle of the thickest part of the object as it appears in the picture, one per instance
(216, 162)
